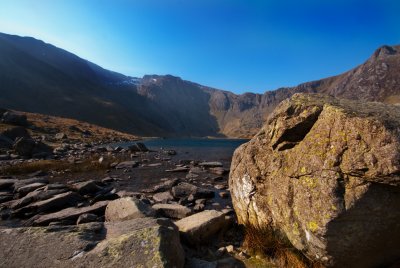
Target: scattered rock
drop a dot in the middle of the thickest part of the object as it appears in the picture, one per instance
(86, 187)
(127, 164)
(61, 136)
(70, 214)
(59, 201)
(138, 147)
(127, 208)
(7, 183)
(29, 188)
(218, 170)
(163, 197)
(210, 164)
(173, 211)
(184, 190)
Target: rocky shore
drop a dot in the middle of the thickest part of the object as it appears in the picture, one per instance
(112, 206)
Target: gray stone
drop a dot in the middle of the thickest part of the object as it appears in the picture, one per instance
(86, 187)
(200, 227)
(86, 218)
(163, 197)
(127, 208)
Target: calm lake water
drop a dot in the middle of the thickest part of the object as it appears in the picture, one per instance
(196, 148)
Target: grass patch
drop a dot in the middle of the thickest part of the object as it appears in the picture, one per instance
(275, 246)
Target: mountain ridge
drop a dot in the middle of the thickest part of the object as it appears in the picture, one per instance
(39, 77)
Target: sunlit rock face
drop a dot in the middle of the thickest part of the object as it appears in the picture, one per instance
(324, 173)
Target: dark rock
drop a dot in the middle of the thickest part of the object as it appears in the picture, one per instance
(24, 146)
(5, 142)
(59, 201)
(4, 157)
(14, 119)
(86, 187)
(35, 196)
(7, 183)
(173, 211)
(138, 147)
(29, 188)
(15, 132)
(184, 189)
(38, 173)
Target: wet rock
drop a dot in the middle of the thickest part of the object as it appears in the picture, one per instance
(200, 227)
(324, 173)
(127, 165)
(210, 164)
(127, 208)
(173, 211)
(59, 201)
(70, 214)
(163, 197)
(178, 169)
(138, 147)
(86, 218)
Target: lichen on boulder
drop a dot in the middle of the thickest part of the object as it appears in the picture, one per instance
(325, 173)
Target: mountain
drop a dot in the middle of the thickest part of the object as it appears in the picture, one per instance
(39, 77)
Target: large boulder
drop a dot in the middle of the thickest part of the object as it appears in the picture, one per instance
(142, 242)
(15, 132)
(324, 173)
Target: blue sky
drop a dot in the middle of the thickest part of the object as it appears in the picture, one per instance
(228, 44)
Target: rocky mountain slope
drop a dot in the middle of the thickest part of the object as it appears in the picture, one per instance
(38, 77)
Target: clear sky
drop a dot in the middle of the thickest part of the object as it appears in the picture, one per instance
(234, 45)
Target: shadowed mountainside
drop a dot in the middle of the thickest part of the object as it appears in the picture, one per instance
(39, 77)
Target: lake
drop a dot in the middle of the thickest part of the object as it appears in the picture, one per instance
(195, 148)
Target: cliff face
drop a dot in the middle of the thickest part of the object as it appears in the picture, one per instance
(38, 77)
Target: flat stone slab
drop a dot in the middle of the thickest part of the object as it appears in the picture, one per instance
(200, 227)
(144, 242)
(211, 164)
